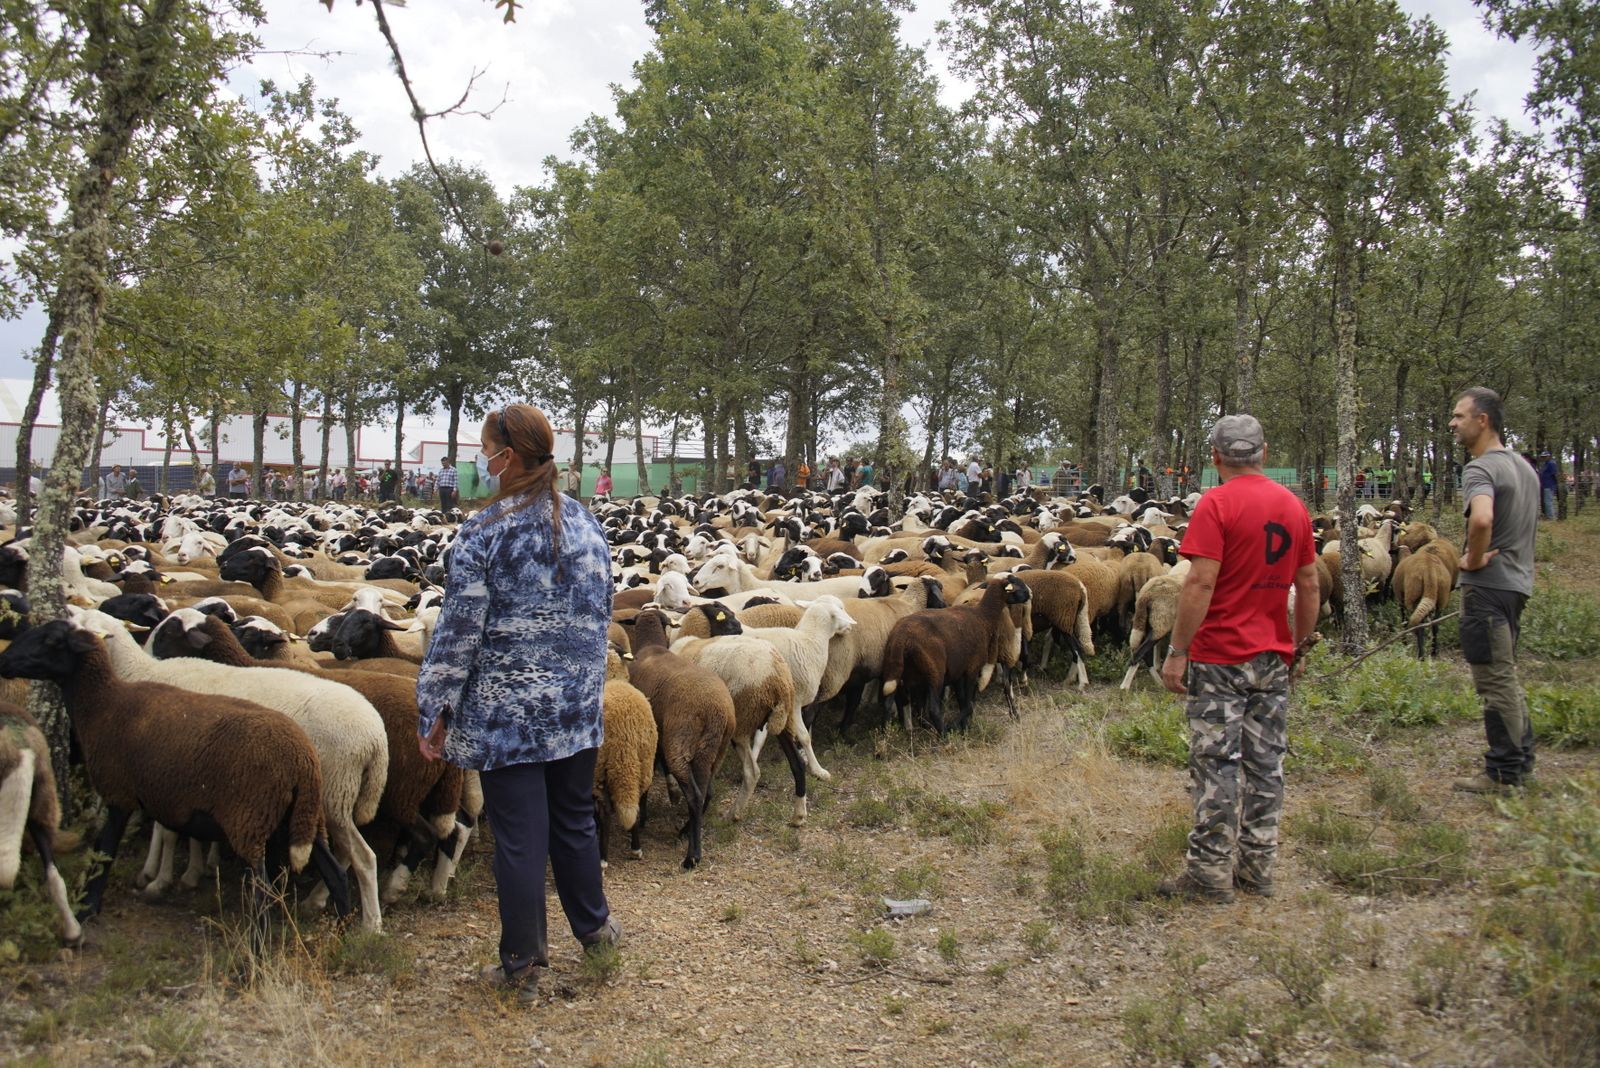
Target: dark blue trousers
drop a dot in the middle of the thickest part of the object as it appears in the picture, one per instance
(538, 812)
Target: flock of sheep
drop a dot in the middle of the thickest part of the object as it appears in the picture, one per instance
(243, 674)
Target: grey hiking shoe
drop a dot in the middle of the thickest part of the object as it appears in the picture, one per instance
(524, 982)
(1187, 888)
(609, 935)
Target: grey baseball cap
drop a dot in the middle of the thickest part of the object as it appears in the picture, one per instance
(1238, 437)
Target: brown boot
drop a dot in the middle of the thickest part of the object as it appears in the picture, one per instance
(524, 982)
(1482, 784)
(1250, 885)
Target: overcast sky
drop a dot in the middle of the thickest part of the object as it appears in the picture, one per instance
(557, 63)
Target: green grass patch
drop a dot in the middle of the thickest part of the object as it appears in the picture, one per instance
(359, 952)
(1090, 883)
(1547, 926)
(876, 946)
(1560, 624)
(1423, 858)
(1155, 730)
(1388, 691)
(966, 823)
(1390, 792)
(1565, 717)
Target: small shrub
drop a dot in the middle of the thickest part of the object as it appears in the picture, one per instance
(1109, 663)
(1324, 825)
(1039, 936)
(1565, 717)
(1391, 794)
(1156, 732)
(876, 946)
(967, 824)
(176, 1036)
(895, 1006)
(1547, 928)
(1561, 624)
(939, 1025)
(1362, 1025)
(949, 947)
(733, 913)
(1426, 857)
(361, 952)
(1176, 1025)
(1316, 744)
(602, 963)
(1090, 884)
(1442, 975)
(869, 812)
(998, 970)
(804, 953)
(916, 880)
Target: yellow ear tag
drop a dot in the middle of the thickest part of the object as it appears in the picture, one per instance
(166, 579)
(721, 616)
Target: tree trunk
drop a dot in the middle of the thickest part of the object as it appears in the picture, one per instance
(580, 426)
(216, 442)
(326, 433)
(192, 445)
(455, 396)
(1347, 391)
(164, 485)
(297, 454)
(258, 452)
(399, 445)
(350, 428)
(1401, 465)
(641, 464)
(1244, 363)
(99, 437)
(126, 59)
(608, 426)
(1106, 415)
(30, 416)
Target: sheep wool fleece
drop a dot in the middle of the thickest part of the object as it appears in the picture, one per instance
(1238, 722)
(518, 655)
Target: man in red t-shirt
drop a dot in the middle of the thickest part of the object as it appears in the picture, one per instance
(1248, 543)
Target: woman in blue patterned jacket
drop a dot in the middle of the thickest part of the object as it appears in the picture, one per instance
(513, 685)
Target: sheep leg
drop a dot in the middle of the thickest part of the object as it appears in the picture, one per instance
(1046, 647)
(332, 876)
(353, 850)
(852, 704)
(1435, 630)
(602, 827)
(261, 901)
(691, 829)
(106, 846)
(54, 885)
(797, 725)
(638, 827)
(417, 841)
(751, 774)
(201, 862)
(758, 743)
(794, 751)
(160, 845)
(16, 795)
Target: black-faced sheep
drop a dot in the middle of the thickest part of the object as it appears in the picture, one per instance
(1154, 614)
(1060, 611)
(952, 648)
(694, 716)
(209, 766)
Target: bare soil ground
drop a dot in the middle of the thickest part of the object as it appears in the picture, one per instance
(777, 951)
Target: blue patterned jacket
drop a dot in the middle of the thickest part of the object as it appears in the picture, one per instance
(518, 655)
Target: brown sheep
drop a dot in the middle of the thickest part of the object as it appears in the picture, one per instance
(1422, 583)
(1061, 608)
(694, 716)
(624, 765)
(952, 648)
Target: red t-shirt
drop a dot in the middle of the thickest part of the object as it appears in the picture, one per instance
(1261, 534)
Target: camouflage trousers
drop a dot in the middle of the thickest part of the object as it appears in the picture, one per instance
(1238, 722)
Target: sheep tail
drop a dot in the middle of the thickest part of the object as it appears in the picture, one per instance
(894, 656)
(1420, 613)
(1085, 636)
(305, 821)
(374, 777)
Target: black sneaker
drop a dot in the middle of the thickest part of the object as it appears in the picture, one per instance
(608, 935)
(1188, 888)
(524, 982)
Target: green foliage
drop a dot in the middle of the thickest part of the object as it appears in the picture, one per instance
(1155, 731)
(949, 947)
(1560, 624)
(1565, 717)
(1391, 794)
(1547, 926)
(969, 824)
(360, 952)
(876, 946)
(1389, 691)
(1423, 858)
(1090, 883)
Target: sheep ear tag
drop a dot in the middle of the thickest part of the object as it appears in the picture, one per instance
(722, 617)
(627, 656)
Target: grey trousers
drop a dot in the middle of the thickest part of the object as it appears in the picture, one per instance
(1490, 621)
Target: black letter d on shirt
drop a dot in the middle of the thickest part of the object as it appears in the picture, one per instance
(1278, 542)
